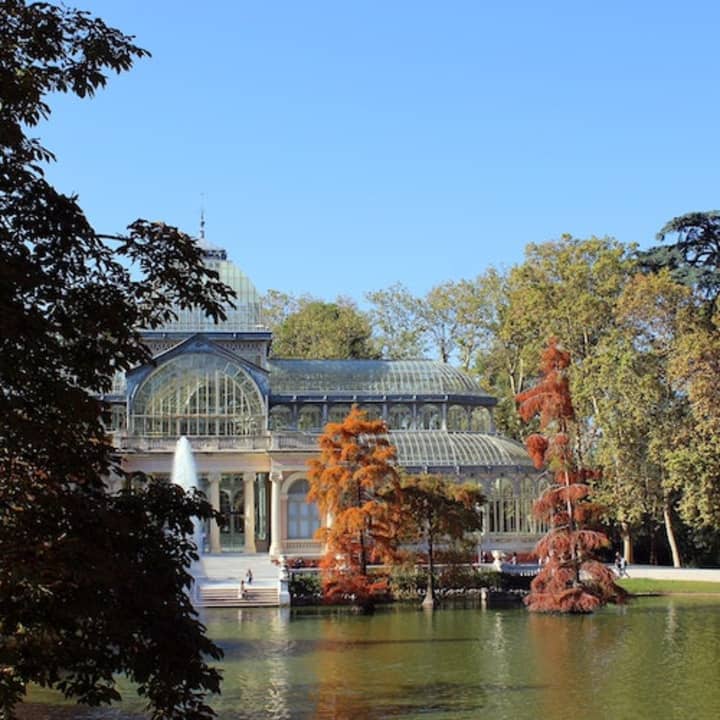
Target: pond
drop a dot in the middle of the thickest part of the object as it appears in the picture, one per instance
(656, 658)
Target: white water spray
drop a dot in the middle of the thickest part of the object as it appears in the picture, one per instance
(184, 474)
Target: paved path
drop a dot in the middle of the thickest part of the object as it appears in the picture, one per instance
(653, 572)
(658, 572)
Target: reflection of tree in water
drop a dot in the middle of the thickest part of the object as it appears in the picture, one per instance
(370, 674)
(574, 658)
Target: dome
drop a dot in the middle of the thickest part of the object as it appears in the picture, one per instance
(246, 314)
(370, 377)
(438, 448)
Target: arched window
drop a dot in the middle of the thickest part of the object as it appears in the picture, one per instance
(198, 394)
(430, 417)
(280, 418)
(338, 413)
(457, 418)
(400, 417)
(309, 418)
(480, 420)
(303, 518)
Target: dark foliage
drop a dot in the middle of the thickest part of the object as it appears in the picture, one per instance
(694, 258)
(91, 584)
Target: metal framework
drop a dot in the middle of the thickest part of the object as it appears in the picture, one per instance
(198, 394)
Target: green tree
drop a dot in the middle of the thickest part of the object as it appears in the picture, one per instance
(568, 289)
(433, 509)
(694, 456)
(639, 410)
(397, 322)
(331, 331)
(458, 317)
(91, 584)
(506, 361)
(278, 306)
(453, 321)
(694, 258)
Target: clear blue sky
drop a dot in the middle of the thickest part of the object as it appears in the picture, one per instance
(345, 145)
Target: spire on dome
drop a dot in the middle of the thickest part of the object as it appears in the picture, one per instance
(209, 251)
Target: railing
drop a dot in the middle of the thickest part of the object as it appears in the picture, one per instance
(522, 570)
(200, 443)
(293, 441)
(506, 540)
(298, 547)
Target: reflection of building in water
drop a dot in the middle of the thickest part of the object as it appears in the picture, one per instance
(253, 422)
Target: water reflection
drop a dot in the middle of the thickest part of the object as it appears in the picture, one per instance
(658, 658)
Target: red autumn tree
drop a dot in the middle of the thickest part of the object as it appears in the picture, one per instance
(570, 579)
(347, 481)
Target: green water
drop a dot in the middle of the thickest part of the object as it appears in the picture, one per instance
(656, 658)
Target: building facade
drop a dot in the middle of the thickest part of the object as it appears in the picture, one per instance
(253, 422)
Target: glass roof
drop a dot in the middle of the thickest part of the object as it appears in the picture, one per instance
(437, 448)
(369, 377)
(245, 316)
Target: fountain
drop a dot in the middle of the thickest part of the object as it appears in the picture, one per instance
(184, 474)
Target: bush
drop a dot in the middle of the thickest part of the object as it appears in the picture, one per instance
(452, 580)
(305, 589)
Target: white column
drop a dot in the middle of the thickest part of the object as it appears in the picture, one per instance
(249, 480)
(214, 498)
(275, 544)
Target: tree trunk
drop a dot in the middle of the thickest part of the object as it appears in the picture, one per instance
(429, 601)
(627, 542)
(361, 538)
(677, 561)
(653, 546)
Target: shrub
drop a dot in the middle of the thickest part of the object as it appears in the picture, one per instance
(305, 589)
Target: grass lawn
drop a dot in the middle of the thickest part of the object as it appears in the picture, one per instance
(647, 585)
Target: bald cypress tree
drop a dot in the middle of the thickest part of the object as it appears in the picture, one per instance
(354, 469)
(571, 579)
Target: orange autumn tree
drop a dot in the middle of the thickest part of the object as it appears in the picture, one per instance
(355, 467)
(570, 579)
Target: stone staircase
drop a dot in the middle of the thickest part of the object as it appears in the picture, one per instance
(222, 574)
(229, 596)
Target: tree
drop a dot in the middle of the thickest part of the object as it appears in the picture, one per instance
(568, 289)
(454, 319)
(278, 306)
(397, 323)
(639, 409)
(434, 509)
(507, 360)
(355, 467)
(691, 455)
(91, 584)
(325, 330)
(570, 579)
(458, 317)
(694, 258)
